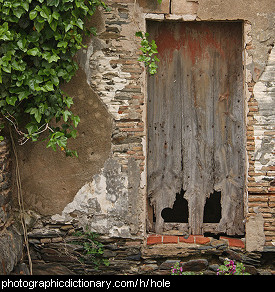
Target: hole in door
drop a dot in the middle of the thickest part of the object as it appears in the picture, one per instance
(212, 208)
(179, 212)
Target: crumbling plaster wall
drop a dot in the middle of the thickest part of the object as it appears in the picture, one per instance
(105, 188)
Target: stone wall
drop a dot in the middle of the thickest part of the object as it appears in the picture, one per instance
(11, 242)
(261, 145)
(56, 250)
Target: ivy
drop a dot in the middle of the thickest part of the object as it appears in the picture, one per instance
(149, 51)
(38, 42)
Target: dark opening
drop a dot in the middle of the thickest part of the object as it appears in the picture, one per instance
(212, 208)
(179, 212)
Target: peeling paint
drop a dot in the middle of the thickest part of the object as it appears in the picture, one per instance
(264, 93)
(101, 205)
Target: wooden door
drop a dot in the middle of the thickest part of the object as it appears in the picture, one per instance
(196, 132)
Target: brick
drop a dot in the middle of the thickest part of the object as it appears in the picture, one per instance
(258, 199)
(202, 240)
(170, 239)
(190, 239)
(132, 129)
(234, 242)
(154, 239)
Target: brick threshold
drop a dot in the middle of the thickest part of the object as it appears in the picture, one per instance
(154, 239)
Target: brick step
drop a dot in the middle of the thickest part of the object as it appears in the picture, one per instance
(153, 239)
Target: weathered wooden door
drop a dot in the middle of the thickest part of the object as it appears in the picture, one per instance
(196, 132)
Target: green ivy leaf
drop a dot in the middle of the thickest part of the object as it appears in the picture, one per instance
(25, 5)
(56, 15)
(36, 113)
(75, 120)
(11, 99)
(33, 52)
(66, 115)
(38, 25)
(18, 11)
(33, 14)
(53, 3)
(49, 86)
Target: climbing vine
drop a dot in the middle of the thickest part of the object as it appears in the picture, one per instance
(38, 42)
(149, 51)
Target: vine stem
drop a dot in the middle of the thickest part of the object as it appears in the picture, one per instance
(20, 201)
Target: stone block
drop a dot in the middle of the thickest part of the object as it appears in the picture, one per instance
(184, 7)
(154, 6)
(195, 265)
(255, 237)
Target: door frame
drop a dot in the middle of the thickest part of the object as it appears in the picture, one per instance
(184, 227)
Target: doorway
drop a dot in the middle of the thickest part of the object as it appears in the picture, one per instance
(196, 128)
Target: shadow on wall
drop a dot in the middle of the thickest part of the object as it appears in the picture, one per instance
(49, 179)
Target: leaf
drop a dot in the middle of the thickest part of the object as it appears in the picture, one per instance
(62, 141)
(22, 44)
(18, 65)
(139, 34)
(66, 115)
(69, 101)
(68, 26)
(75, 120)
(11, 99)
(23, 94)
(53, 25)
(33, 37)
(45, 12)
(36, 113)
(32, 128)
(56, 15)
(38, 25)
(62, 44)
(25, 5)
(55, 80)
(7, 68)
(79, 23)
(49, 86)
(53, 3)
(18, 12)
(53, 58)
(33, 52)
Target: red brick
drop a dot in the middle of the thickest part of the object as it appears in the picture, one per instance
(234, 242)
(190, 239)
(154, 239)
(170, 239)
(201, 240)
